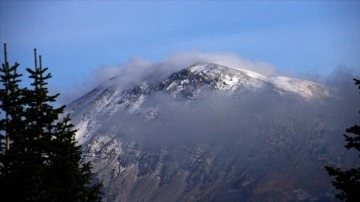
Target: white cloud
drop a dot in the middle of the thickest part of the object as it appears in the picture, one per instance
(138, 69)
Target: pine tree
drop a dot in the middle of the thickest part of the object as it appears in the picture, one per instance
(42, 164)
(348, 181)
(12, 127)
(11, 100)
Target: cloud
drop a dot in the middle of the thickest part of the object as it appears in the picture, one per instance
(259, 122)
(137, 69)
(261, 130)
(216, 113)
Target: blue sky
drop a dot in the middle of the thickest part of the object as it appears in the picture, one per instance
(78, 37)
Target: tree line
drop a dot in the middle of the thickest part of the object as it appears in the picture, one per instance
(39, 156)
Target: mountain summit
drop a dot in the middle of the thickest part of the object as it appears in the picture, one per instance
(210, 133)
(188, 83)
(224, 78)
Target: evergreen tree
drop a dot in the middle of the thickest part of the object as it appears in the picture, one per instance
(12, 153)
(42, 161)
(348, 181)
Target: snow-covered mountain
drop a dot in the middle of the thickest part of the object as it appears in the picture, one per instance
(210, 133)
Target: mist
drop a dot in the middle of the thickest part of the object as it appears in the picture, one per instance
(136, 69)
(254, 121)
(254, 135)
(216, 116)
(248, 119)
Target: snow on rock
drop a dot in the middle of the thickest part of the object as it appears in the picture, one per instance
(109, 99)
(132, 171)
(303, 88)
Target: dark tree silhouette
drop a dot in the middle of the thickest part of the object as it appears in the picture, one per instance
(348, 181)
(39, 157)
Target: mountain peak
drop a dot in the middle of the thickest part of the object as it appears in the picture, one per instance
(212, 67)
(200, 76)
(205, 67)
(193, 79)
(190, 81)
(146, 141)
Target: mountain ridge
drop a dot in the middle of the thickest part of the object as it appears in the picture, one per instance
(190, 81)
(210, 133)
(205, 68)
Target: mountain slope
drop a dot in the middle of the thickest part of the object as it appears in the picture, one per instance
(210, 133)
(109, 98)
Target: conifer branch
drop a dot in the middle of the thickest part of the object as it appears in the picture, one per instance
(35, 58)
(40, 62)
(6, 68)
(5, 54)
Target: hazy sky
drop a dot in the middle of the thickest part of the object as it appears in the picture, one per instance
(78, 37)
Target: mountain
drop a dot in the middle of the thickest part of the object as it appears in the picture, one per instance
(211, 133)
